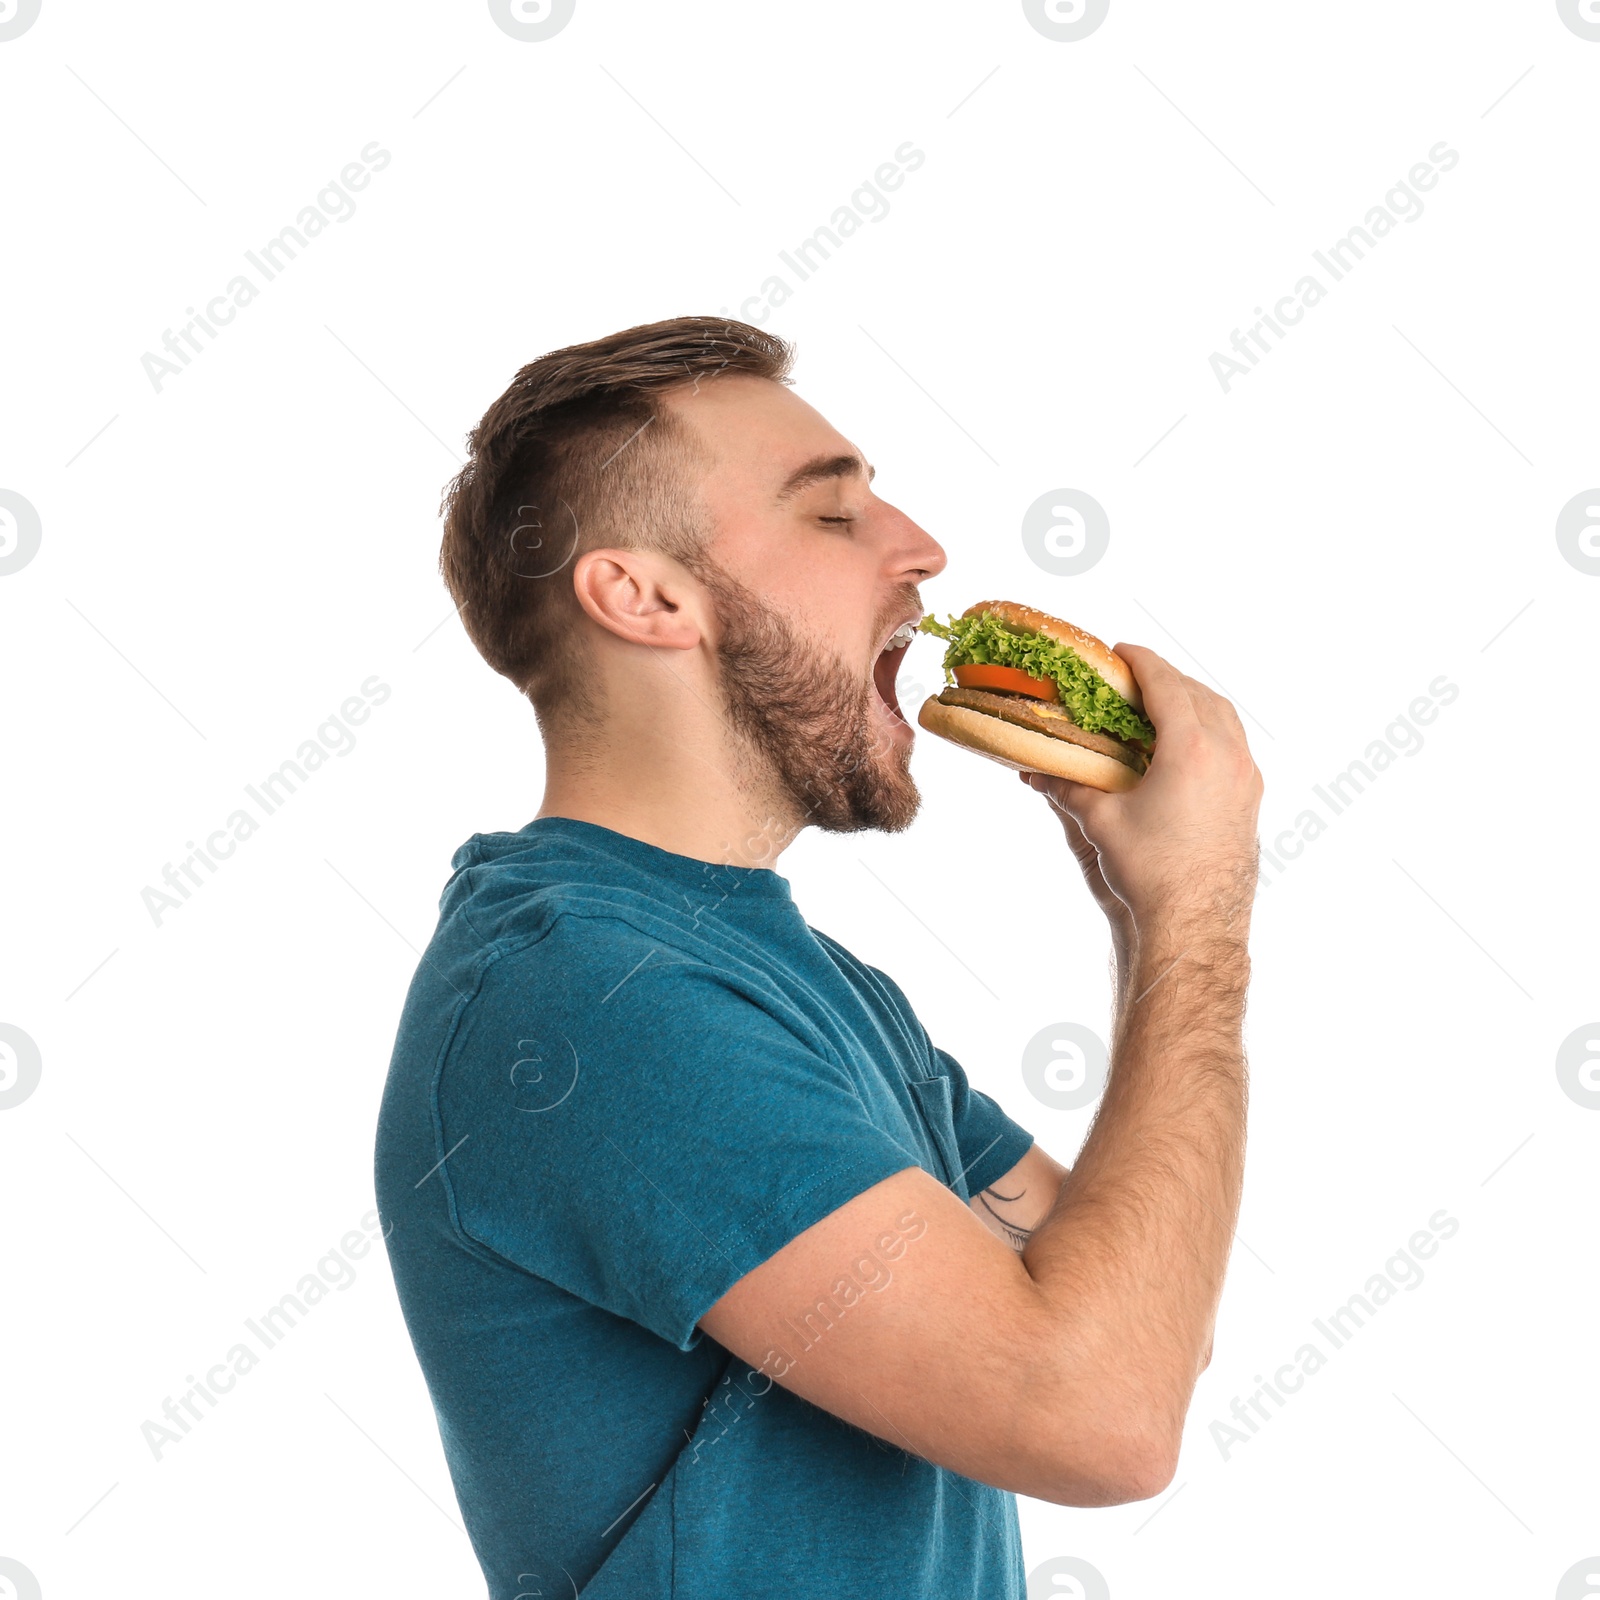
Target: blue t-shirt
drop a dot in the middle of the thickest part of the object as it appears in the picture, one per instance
(623, 1079)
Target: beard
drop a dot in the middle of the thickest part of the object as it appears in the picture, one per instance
(808, 721)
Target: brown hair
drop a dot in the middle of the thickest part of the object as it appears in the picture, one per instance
(578, 454)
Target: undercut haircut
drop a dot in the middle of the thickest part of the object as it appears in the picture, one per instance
(580, 453)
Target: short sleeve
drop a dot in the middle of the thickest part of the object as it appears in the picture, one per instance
(991, 1144)
(988, 1142)
(638, 1128)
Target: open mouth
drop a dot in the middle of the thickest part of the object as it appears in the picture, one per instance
(886, 668)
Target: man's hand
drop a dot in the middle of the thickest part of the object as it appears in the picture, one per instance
(1180, 847)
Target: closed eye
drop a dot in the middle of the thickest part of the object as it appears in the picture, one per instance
(836, 519)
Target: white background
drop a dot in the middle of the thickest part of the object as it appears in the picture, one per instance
(225, 561)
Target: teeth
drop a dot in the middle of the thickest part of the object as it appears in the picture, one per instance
(901, 637)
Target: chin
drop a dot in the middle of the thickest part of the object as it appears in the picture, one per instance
(834, 742)
(873, 788)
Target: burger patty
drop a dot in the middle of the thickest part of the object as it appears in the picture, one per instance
(1039, 716)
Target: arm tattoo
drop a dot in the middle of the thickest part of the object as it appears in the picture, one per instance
(1016, 1237)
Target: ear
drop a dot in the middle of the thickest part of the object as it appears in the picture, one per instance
(641, 596)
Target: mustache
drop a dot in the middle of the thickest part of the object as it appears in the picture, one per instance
(905, 599)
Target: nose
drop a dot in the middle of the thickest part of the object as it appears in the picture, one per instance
(916, 553)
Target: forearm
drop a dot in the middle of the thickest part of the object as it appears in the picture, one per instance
(1134, 1251)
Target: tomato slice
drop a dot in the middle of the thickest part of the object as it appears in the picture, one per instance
(975, 676)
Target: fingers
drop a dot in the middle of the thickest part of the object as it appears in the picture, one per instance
(1049, 787)
(1227, 717)
(1165, 689)
(1073, 802)
(1215, 711)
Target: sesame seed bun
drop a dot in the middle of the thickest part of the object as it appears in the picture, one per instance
(1096, 652)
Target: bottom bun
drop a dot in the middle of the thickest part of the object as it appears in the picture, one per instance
(1023, 750)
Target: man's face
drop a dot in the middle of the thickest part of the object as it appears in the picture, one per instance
(811, 573)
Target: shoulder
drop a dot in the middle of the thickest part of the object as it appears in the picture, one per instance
(626, 980)
(865, 974)
(580, 951)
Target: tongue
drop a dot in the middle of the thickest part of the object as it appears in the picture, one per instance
(884, 670)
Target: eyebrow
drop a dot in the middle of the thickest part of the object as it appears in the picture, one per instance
(819, 469)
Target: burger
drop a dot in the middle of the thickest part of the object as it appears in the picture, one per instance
(1038, 695)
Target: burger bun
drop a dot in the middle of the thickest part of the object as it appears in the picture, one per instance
(1023, 750)
(1096, 652)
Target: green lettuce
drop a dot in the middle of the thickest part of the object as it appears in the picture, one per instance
(1086, 697)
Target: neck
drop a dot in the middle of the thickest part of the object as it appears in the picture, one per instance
(688, 796)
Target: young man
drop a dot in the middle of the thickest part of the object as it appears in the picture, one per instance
(724, 1281)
